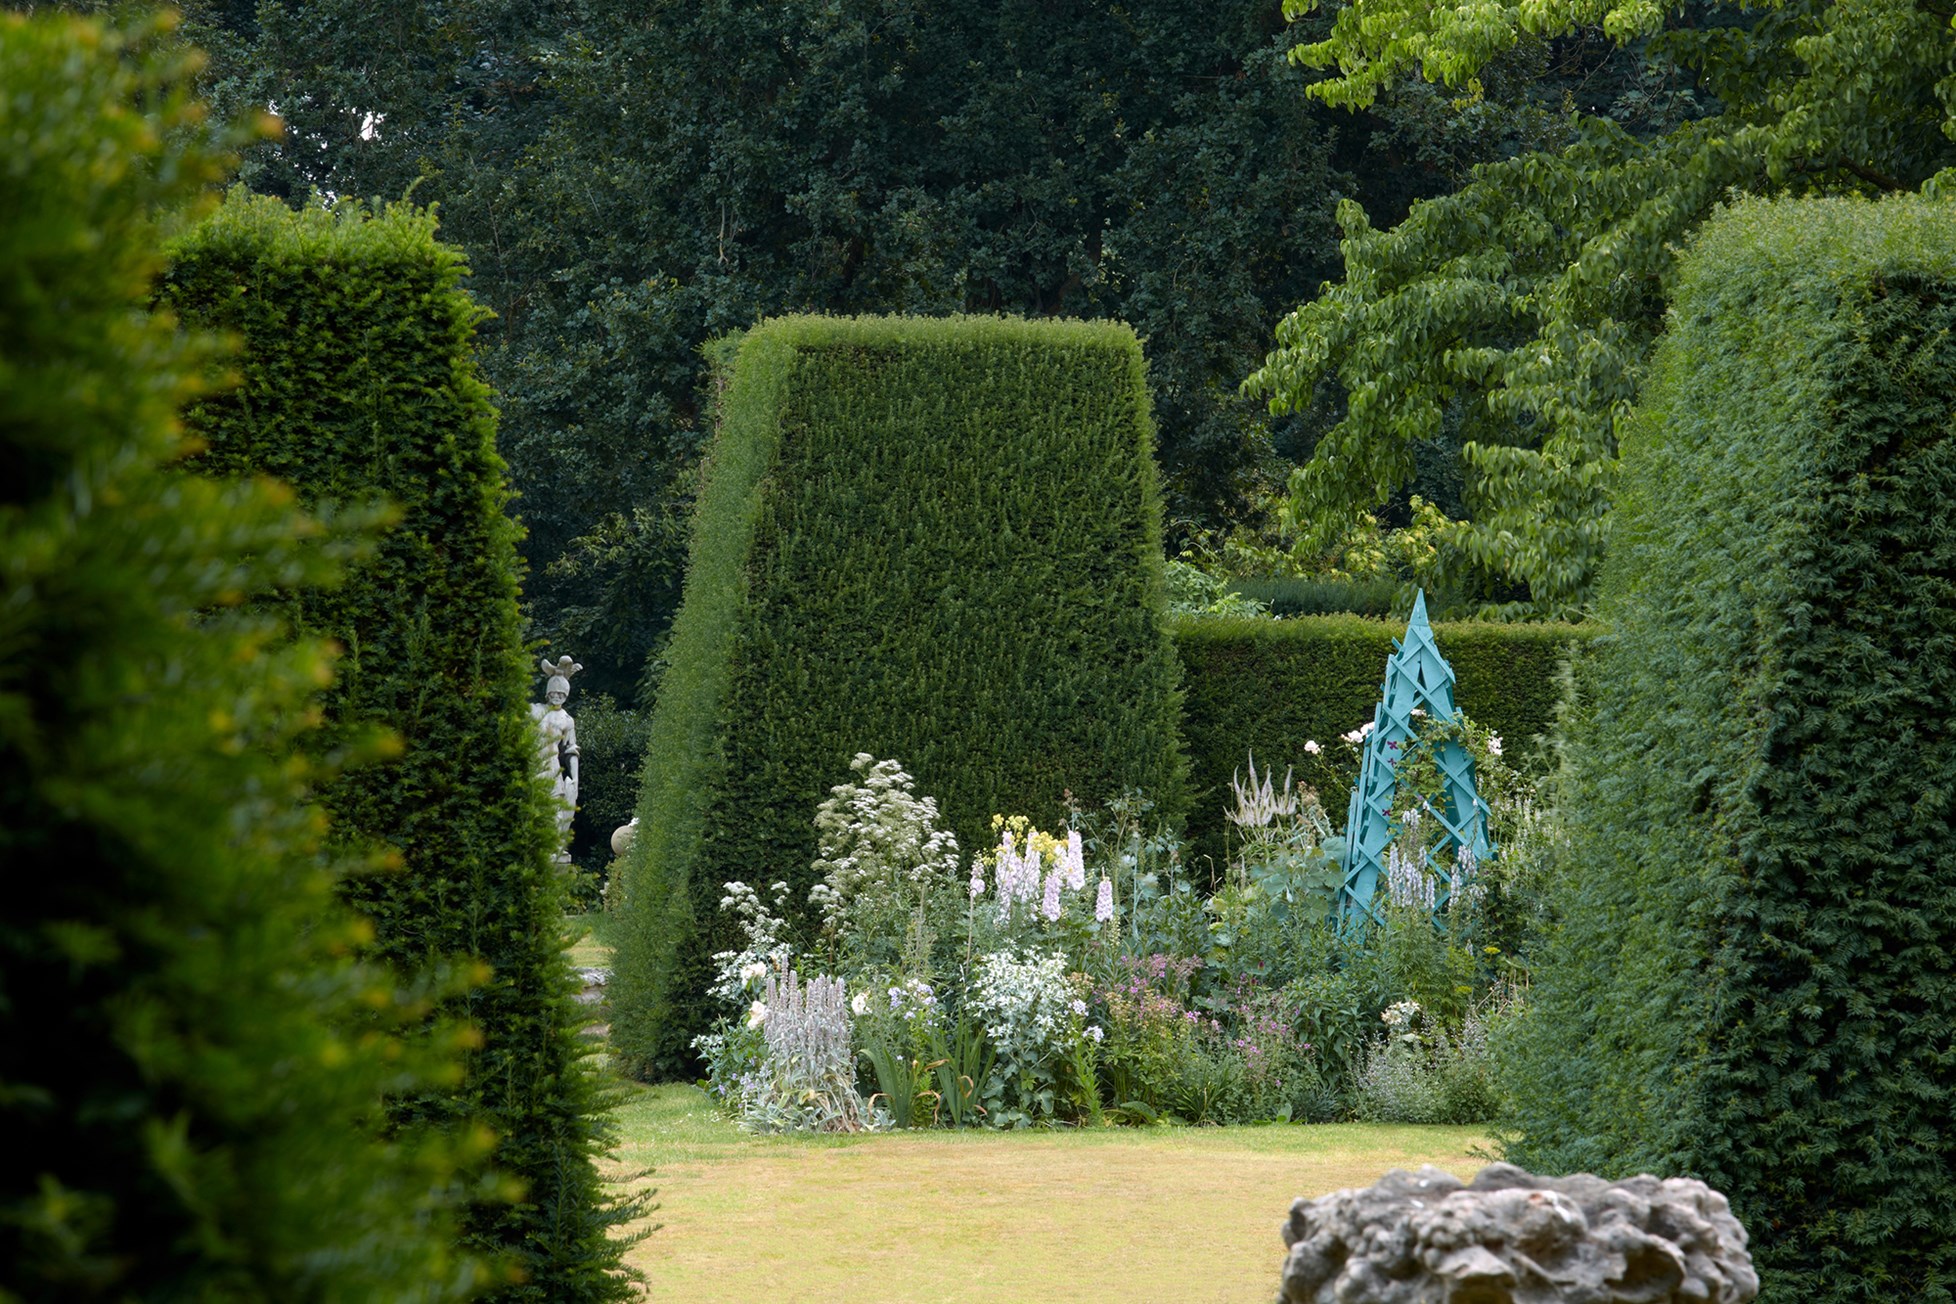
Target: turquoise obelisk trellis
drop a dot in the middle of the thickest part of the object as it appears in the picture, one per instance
(1417, 678)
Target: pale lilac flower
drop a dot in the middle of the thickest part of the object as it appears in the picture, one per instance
(1103, 906)
(1079, 1006)
(977, 879)
(1050, 906)
(1093, 1031)
(1311, 746)
(1073, 862)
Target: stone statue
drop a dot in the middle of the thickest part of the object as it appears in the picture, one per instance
(1513, 1238)
(557, 745)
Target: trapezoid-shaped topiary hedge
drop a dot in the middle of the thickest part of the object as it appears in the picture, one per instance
(1267, 687)
(933, 540)
(359, 383)
(1754, 977)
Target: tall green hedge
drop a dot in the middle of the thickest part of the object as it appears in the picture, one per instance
(188, 1061)
(937, 541)
(1269, 686)
(359, 380)
(1755, 979)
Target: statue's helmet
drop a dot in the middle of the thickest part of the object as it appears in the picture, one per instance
(557, 684)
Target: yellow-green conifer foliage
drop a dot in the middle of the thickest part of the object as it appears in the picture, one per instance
(189, 1062)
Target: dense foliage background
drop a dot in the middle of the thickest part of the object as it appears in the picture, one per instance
(1753, 980)
(1519, 309)
(630, 180)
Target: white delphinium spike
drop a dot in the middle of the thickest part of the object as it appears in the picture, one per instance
(1074, 862)
(1103, 906)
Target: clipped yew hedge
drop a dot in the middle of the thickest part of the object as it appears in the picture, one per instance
(358, 383)
(934, 540)
(1266, 687)
(189, 1062)
(1755, 979)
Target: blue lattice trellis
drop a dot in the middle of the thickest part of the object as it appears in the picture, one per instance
(1418, 678)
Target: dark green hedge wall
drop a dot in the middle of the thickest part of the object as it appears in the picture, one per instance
(188, 1062)
(937, 541)
(1268, 686)
(359, 380)
(1755, 980)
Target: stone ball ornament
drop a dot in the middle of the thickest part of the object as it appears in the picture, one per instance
(1510, 1237)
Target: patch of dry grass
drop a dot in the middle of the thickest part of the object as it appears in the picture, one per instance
(1159, 1214)
(586, 951)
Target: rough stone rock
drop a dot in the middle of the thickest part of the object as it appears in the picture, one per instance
(1511, 1237)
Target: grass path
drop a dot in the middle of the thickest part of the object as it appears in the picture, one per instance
(1182, 1214)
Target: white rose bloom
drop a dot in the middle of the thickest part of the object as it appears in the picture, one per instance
(756, 1014)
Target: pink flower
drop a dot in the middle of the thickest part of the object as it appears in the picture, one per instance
(1311, 746)
(1050, 906)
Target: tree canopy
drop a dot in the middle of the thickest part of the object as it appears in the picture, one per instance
(1519, 309)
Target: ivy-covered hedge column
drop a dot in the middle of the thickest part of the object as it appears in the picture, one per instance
(359, 383)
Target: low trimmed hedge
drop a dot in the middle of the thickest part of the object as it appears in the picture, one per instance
(1268, 686)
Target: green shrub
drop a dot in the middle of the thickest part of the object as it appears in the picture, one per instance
(187, 1058)
(359, 381)
(1269, 686)
(1754, 980)
(932, 540)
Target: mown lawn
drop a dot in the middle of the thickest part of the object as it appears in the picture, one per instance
(1160, 1214)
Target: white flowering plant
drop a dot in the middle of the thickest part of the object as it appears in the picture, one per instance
(734, 1051)
(1033, 1012)
(1032, 889)
(1286, 851)
(889, 893)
